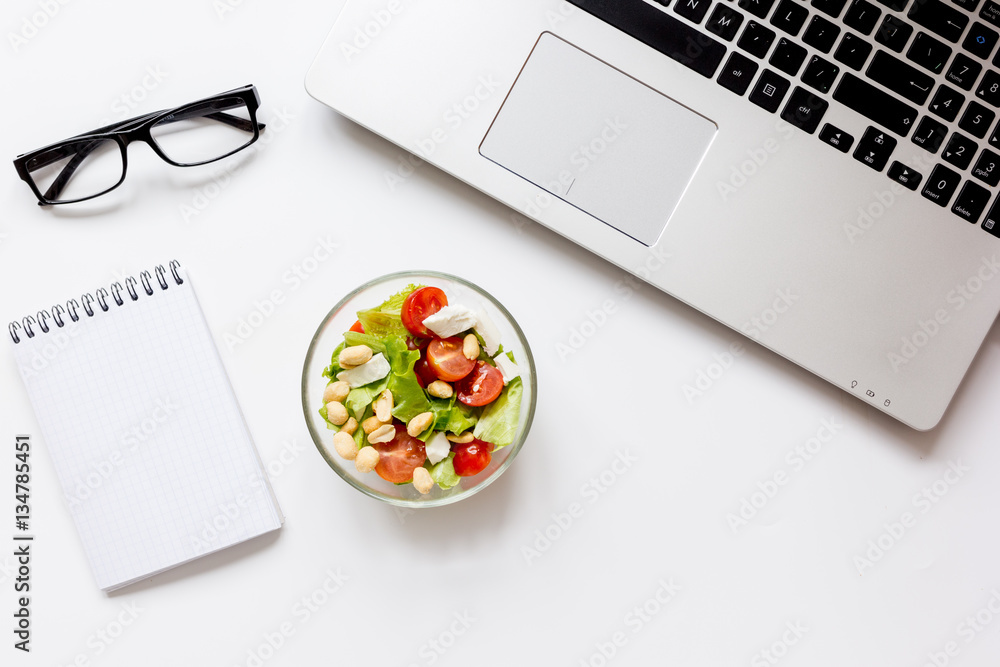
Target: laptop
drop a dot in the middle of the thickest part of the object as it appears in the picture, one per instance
(821, 177)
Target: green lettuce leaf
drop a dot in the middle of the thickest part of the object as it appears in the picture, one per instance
(354, 338)
(385, 320)
(334, 367)
(498, 423)
(408, 396)
(361, 398)
(443, 472)
(451, 416)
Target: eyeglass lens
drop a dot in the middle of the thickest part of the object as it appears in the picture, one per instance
(77, 169)
(205, 131)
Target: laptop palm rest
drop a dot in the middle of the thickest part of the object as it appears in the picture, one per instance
(598, 139)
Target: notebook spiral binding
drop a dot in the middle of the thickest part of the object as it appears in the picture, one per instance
(56, 313)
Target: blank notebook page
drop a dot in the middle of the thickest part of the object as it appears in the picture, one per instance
(144, 431)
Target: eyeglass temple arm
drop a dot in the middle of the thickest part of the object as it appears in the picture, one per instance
(67, 173)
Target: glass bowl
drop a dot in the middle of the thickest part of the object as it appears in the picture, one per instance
(330, 334)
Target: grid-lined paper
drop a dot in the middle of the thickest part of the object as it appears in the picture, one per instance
(144, 431)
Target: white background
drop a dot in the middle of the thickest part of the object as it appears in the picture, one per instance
(242, 225)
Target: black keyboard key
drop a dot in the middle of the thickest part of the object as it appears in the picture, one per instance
(994, 139)
(830, 7)
(939, 18)
(789, 16)
(876, 105)
(769, 91)
(692, 10)
(977, 120)
(946, 103)
(904, 175)
(971, 202)
(756, 39)
(894, 33)
(804, 110)
(928, 52)
(967, 5)
(853, 51)
(895, 5)
(992, 221)
(862, 16)
(991, 12)
(874, 148)
(737, 73)
(820, 74)
(987, 168)
(989, 88)
(724, 22)
(758, 8)
(980, 40)
(930, 134)
(963, 71)
(660, 31)
(959, 151)
(821, 34)
(900, 78)
(788, 56)
(836, 137)
(941, 185)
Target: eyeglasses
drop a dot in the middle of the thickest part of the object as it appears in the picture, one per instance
(94, 163)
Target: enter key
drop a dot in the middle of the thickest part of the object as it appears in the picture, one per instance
(900, 77)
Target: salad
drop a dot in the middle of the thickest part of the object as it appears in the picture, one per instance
(421, 391)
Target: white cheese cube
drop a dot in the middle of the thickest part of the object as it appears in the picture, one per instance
(450, 320)
(508, 368)
(374, 369)
(437, 448)
(489, 332)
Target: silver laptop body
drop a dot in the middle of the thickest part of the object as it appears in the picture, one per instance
(645, 159)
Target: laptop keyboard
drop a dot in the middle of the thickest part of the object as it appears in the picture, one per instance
(885, 61)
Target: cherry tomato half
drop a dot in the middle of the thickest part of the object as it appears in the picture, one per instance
(471, 458)
(357, 327)
(447, 359)
(481, 386)
(421, 303)
(399, 457)
(425, 374)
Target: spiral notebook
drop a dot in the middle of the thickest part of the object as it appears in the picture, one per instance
(143, 428)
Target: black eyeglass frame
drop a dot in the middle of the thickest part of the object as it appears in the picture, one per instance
(139, 128)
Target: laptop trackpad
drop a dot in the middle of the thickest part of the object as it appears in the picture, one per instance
(598, 139)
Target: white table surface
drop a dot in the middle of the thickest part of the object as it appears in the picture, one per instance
(650, 570)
